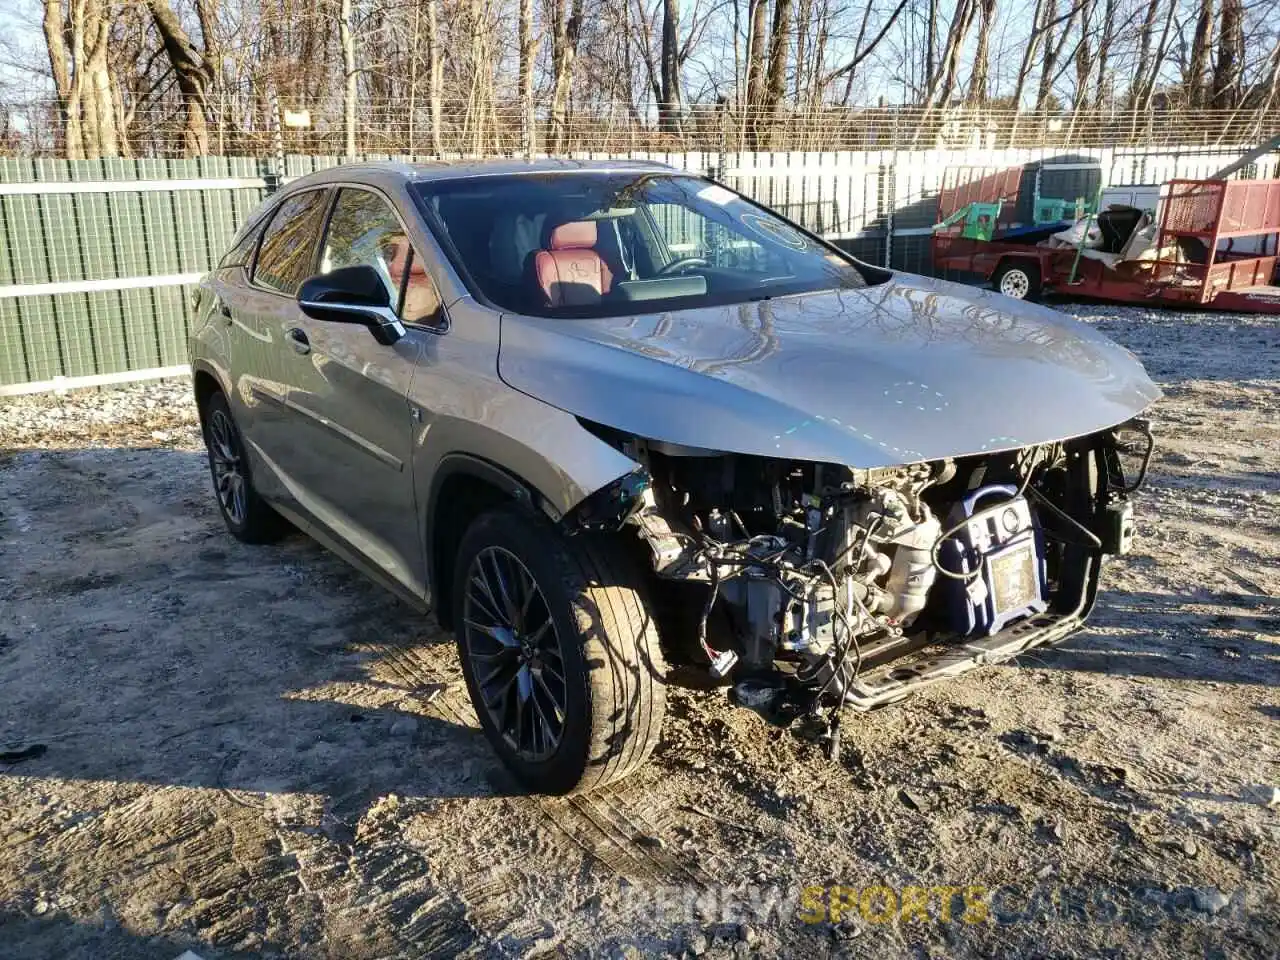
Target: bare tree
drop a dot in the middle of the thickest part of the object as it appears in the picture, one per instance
(776, 72)
(1229, 66)
(77, 38)
(1106, 43)
(669, 94)
(944, 81)
(350, 77)
(193, 73)
(1150, 60)
(862, 49)
(980, 79)
(528, 50)
(1193, 77)
(566, 28)
(1053, 45)
(759, 12)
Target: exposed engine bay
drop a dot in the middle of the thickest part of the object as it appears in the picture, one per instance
(855, 586)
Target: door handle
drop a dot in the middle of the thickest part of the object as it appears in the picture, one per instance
(298, 340)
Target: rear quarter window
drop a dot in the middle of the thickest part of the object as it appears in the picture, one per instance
(241, 253)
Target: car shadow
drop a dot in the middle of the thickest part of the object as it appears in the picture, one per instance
(145, 645)
(1166, 637)
(55, 934)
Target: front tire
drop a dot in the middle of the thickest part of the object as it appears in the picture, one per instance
(248, 517)
(559, 650)
(1018, 280)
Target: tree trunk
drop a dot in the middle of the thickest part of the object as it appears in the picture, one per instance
(755, 55)
(1150, 61)
(669, 102)
(931, 46)
(528, 51)
(565, 30)
(1038, 18)
(981, 58)
(1049, 61)
(1193, 81)
(102, 101)
(776, 71)
(804, 34)
(818, 57)
(413, 73)
(435, 75)
(949, 64)
(65, 83)
(1084, 59)
(1105, 43)
(349, 76)
(1227, 69)
(192, 73)
(78, 41)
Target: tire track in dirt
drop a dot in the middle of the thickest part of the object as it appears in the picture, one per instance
(608, 826)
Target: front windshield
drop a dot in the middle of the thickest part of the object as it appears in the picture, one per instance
(605, 244)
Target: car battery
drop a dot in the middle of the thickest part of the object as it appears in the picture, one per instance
(1000, 550)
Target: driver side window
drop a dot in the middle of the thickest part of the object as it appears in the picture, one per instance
(364, 230)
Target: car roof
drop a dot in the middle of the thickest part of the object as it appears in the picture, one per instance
(390, 172)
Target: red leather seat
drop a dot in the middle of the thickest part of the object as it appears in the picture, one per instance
(570, 272)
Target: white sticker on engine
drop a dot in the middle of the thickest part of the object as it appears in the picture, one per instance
(715, 194)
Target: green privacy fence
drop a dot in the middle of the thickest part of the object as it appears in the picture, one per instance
(98, 259)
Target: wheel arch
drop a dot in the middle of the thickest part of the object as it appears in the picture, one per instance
(205, 383)
(463, 487)
(1017, 260)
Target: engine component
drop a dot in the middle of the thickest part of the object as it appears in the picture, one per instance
(912, 534)
(1119, 528)
(996, 555)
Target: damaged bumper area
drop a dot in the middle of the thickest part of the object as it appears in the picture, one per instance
(834, 585)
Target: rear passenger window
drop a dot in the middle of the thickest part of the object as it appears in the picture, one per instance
(364, 230)
(289, 243)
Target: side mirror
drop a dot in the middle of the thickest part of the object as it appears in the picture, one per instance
(352, 295)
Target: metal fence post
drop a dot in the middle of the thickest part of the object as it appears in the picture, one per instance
(275, 177)
(891, 202)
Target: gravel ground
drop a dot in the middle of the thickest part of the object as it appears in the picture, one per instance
(245, 751)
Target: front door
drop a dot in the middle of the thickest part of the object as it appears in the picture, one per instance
(351, 457)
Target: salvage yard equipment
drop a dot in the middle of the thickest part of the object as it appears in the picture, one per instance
(1210, 243)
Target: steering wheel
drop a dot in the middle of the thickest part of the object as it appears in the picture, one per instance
(681, 263)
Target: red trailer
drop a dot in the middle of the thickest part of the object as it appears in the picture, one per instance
(1213, 243)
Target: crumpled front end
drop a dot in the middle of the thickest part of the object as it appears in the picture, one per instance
(829, 584)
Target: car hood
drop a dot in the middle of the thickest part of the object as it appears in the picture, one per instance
(911, 369)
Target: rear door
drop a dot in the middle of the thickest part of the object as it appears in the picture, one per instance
(351, 425)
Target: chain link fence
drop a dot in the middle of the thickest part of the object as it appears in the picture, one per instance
(254, 123)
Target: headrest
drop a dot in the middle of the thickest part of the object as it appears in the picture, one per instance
(576, 235)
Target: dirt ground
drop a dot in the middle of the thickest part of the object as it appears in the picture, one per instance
(252, 751)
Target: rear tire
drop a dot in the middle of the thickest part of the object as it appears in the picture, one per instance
(248, 517)
(1018, 280)
(560, 652)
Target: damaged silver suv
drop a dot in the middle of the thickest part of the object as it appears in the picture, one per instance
(614, 423)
